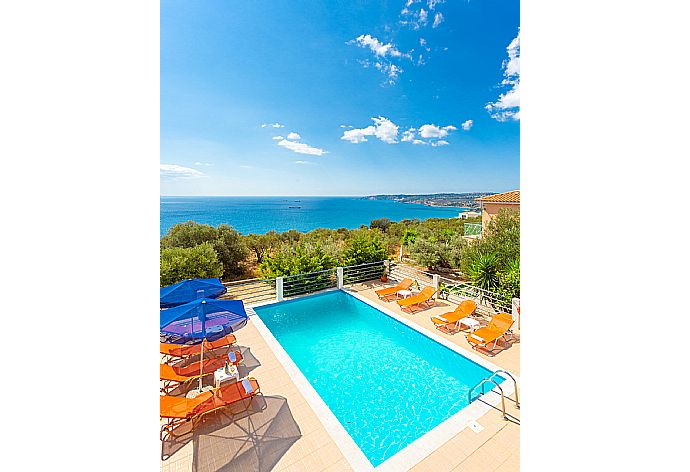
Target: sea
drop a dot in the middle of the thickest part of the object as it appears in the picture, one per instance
(259, 215)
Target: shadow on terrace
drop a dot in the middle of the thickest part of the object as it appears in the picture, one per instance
(251, 440)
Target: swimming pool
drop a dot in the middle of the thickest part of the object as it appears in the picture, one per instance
(386, 383)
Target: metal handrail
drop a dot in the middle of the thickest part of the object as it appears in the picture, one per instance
(503, 396)
(309, 273)
(517, 398)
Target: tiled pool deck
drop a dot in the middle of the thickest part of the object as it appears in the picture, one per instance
(283, 433)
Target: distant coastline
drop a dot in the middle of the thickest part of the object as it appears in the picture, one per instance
(439, 200)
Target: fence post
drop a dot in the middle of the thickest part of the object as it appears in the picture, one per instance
(437, 283)
(516, 311)
(339, 273)
(279, 289)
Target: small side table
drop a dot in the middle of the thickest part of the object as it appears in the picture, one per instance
(471, 323)
(403, 293)
(222, 375)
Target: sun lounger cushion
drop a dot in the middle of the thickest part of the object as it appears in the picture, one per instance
(247, 386)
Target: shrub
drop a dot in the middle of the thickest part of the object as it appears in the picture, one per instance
(484, 272)
(262, 244)
(381, 223)
(225, 240)
(364, 247)
(509, 280)
(298, 260)
(429, 252)
(179, 263)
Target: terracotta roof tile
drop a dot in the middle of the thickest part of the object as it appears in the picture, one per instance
(507, 197)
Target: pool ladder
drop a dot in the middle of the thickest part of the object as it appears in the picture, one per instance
(503, 397)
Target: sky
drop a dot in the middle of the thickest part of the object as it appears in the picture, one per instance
(349, 97)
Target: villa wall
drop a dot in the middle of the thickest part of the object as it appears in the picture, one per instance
(490, 210)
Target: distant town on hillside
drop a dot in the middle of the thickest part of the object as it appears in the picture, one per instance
(466, 200)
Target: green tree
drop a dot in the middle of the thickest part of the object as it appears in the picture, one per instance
(364, 247)
(179, 263)
(262, 244)
(381, 223)
(188, 234)
(408, 237)
(509, 280)
(231, 250)
(300, 259)
(225, 240)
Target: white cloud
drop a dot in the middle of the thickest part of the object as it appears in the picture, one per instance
(294, 136)
(197, 163)
(383, 128)
(433, 131)
(379, 48)
(277, 138)
(507, 107)
(417, 19)
(440, 142)
(432, 3)
(408, 135)
(175, 172)
(419, 141)
(384, 54)
(302, 162)
(358, 135)
(422, 42)
(391, 70)
(467, 125)
(438, 19)
(301, 148)
(272, 125)
(422, 18)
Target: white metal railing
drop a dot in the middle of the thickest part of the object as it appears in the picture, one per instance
(251, 290)
(363, 272)
(258, 290)
(310, 282)
(402, 271)
(488, 302)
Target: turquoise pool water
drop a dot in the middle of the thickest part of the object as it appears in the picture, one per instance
(386, 383)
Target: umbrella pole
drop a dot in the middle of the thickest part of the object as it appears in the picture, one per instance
(201, 363)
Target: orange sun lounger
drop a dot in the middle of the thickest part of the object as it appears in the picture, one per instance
(174, 376)
(499, 325)
(177, 411)
(463, 310)
(404, 284)
(183, 350)
(425, 296)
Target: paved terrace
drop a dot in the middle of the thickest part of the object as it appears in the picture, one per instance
(281, 432)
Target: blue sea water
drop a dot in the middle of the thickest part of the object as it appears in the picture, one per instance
(386, 383)
(262, 214)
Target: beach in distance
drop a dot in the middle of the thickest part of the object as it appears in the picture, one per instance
(261, 214)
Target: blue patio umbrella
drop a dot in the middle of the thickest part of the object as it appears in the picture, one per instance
(203, 319)
(189, 290)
